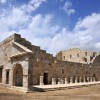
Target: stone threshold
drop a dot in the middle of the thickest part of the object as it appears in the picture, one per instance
(43, 88)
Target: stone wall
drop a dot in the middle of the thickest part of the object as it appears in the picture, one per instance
(77, 55)
(63, 70)
(7, 49)
(38, 63)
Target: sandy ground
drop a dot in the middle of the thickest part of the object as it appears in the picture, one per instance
(83, 93)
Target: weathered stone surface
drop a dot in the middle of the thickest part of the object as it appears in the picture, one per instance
(77, 55)
(23, 64)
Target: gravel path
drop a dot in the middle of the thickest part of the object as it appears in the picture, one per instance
(83, 93)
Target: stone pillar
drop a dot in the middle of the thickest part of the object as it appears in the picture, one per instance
(84, 79)
(11, 78)
(80, 79)
(41, 80)
(4, 76)
(25, 81)
(76, 79)
(71, 79)
(66, 81)
(53, 81)
(59, 81)
(88, 79)
(62, 81)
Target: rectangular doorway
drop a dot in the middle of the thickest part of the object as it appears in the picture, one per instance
(45, 78)
(0, 75)
(7, 77)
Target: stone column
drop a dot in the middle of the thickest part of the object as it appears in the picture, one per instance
(4, 76)
(26, 79)
(84, 79)
(66, 81)
(62, 81)
(71, 79)
(80, 79)
(41, 80)
(76, 79)
(11, 78)
(88, 79)
(59, 81)
(53, 81)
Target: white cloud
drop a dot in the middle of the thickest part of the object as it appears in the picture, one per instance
(16, 18)
(32, 5)
(40, 30)
(97, 45)
(67, 8)
(3, 1)
(85, 35)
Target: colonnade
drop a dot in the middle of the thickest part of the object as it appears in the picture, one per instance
(69, 80)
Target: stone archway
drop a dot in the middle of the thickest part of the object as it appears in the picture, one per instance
(18, 75)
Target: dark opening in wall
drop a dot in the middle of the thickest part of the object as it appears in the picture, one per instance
(85, 59)
(62, 71)
(77, 55)
(42, 58)
(70, 56)
(64, 57)
(49, 64)
(85, 53)
(7, 77)
(94, 53)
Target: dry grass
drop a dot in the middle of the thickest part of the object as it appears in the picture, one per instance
(84, 93)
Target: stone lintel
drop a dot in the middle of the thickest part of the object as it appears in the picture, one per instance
(19, 54)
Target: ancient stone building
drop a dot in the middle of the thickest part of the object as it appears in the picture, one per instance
(25, 65)
(77, 55)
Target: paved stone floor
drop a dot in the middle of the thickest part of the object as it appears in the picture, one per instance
(83, 93)
(65, 85)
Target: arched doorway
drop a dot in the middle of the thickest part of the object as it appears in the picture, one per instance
(18, 75)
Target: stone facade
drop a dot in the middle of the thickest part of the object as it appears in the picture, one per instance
(77, 55)
(25, 65)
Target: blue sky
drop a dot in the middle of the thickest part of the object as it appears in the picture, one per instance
(53, 25)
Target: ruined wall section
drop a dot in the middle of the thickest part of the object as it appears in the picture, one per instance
(38, 52)
(7, 49)
(39, 56)
(77, 55)
(63, 69)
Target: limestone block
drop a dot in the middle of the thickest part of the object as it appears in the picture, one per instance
(59, 81)
(71, 79)
(53, 81)
(84, 79)
(62, 81)
(88, 79)
(76, 79)
(66, 81)
(80, 79)
(41, 80)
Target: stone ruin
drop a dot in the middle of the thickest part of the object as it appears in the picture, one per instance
(23, 65)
